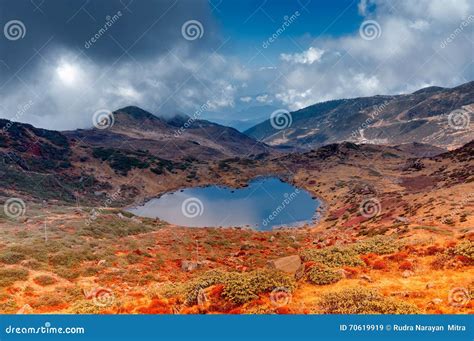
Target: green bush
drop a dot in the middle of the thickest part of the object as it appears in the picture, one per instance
(10, 257)
(44, 280)
(243, 287)
(465, 248)
(363, 301)
(380, 245)
(10, 276)
(333, 256)
(239, 287)
(322, 275)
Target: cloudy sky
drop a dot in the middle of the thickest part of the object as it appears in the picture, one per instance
(63, 60)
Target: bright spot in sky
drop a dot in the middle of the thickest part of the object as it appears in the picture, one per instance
(67, 73)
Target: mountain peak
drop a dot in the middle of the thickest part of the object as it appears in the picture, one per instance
(136, 113)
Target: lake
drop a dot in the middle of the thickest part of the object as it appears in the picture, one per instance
(266, 203)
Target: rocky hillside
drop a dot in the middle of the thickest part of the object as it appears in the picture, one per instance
(134, 154)
(179, 137)
(433, 115)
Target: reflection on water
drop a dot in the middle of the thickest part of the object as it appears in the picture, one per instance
(266, 203)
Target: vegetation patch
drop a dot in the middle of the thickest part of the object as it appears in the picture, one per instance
(10, 276)
(322, 275)
(380, 245)
(363, 301)
(44, 280)
(333, 256)
(239, 287)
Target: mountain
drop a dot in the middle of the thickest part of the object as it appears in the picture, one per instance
(176, 137)
(245, 117)
(423, 116)
(138, 146)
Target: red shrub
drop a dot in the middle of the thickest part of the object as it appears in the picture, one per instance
(379, 265)
(406, 265)
(282, 310)
(398, 256)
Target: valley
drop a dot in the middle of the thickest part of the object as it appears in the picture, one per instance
(394, 234)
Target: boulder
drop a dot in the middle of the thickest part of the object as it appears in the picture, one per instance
(289, 264)
(187, 265)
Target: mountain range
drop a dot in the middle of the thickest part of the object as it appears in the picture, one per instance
(434, 115)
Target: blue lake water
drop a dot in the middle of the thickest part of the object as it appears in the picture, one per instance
(265, 204)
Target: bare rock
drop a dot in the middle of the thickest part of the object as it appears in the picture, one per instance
(366, 278)
(25, 310)
(429, 285)
(187, 265)
(289, 264)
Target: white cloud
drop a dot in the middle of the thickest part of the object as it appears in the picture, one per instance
(265, 98)
(307, 57)
(406, 56)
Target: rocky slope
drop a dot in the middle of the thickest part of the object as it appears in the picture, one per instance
(423, 116)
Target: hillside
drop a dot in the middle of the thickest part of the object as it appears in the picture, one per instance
(422, 116)
(395, 236)
(82, 165)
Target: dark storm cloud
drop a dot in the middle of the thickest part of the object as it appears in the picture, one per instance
(143, 29)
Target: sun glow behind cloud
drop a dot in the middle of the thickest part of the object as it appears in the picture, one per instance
(68, 73)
